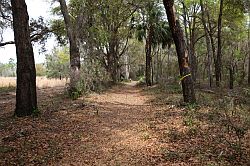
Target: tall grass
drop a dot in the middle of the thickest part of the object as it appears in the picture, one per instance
(41, 82)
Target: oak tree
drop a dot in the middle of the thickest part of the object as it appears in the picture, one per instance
(26, 97)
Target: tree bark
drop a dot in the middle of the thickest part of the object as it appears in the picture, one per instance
(185, 71)
(248, 47)
(127, 67)
(192, 56)
(210, 32)
(209, 56)
(218, 64)
(26, 97)
(149, 56)
(190, 39)
(157, 63)
(113, 54)
(231, 77)
(74, 50)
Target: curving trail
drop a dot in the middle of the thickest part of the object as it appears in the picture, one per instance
(125, 126)
(116, 132)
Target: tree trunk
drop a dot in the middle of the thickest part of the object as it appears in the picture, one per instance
(218, 63)
(190, 39)
(158, 57)
(209, 56)
(115, 69)
(192, 56)
(74, 50)
(126, 59)
(185, 71)
(26, 97)
(210, 33)
(168, 65)
(248, 48)
(149, 56)
(249, 68)
(231, 77)
(152, 72)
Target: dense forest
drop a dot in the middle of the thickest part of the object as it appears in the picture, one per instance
(161, 82)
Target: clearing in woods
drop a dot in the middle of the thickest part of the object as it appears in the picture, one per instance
(122, 126)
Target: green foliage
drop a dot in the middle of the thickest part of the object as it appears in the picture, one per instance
(235, 122)
(142, 80)
(8, 69)
(153, 15)
(59, 31)
(77, 91)
(57, 63)
(246, 92)
(40, 70)
(174, 88)
(36, 112)
(40, 32)
(190, 115)
(7, 89)
(192, 106)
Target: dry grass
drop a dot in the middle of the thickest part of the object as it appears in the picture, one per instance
(42, 82)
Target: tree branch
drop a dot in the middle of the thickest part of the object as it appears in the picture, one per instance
(6, 43)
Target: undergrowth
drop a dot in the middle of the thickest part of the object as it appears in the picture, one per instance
(7, 89)
(225, 119)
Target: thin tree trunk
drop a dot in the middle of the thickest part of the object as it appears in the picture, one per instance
(26, 97)
(168, 65)
(149, 56)
(185, 71)
(210, 32)
(243, 73)
(190, 40)
(231, 77)
(152, 72)
(209, 56)
(192, 56)
(248, 48)
(249, 69)
(126, 66)
(74, 50)
(185, 24)
(218, 65)
(158, 64)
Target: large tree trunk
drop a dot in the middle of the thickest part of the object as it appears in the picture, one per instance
(74, 50)
(26, 97)
(112, 55)
(148, 50)
(185, 71)
(218, 64)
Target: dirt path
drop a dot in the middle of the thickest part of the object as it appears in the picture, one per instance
(125, 126)
(117, 130)
(102, 129)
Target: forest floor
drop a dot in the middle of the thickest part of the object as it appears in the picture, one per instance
(125, 125)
